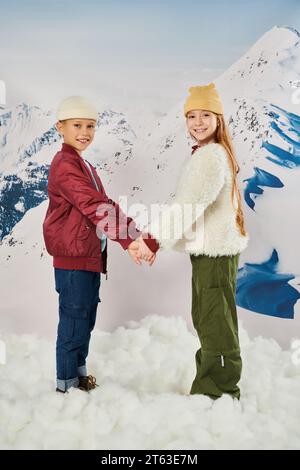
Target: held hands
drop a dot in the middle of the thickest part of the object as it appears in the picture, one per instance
(138, 250)
(144, 252)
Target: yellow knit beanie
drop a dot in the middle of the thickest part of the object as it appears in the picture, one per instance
(203, 97)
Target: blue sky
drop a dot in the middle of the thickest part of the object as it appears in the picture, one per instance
(120, 46)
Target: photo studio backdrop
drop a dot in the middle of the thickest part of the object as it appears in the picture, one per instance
(140, 155)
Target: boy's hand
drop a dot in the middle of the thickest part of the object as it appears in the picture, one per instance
(133, 251)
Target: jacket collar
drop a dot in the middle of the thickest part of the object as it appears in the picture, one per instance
(197, 146)
(69, 149)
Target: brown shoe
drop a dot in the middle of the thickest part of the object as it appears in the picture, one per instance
(87, 383)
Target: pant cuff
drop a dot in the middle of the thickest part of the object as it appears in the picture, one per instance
(64, 385)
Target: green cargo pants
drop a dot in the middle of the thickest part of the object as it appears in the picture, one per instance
(214, 315)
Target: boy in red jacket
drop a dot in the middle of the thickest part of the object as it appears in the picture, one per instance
(79, 213)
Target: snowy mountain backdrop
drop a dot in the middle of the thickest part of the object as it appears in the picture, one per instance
(143, 160)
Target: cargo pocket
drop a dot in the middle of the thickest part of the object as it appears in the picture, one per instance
(213, 304)
(216, 326)
(73, 322)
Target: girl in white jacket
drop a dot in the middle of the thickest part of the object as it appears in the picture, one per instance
(206, 221)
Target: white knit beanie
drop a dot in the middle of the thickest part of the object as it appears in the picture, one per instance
(76, 107)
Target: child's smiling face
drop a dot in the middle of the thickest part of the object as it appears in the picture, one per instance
(78, 133)
(202, 125)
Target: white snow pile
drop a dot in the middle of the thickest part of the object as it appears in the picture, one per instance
(145, 372)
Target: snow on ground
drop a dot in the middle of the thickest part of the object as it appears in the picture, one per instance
(145, 371)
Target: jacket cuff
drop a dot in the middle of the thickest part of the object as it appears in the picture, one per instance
(127, 241)
(151, 242)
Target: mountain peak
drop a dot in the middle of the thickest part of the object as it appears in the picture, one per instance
(276, 52)
(290, 28)
(278, 37)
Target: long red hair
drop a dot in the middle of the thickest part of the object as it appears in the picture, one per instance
(223, 138)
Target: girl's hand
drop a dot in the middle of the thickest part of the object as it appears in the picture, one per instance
(144, 252)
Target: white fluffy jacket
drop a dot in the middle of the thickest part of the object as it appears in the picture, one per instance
(202, 218)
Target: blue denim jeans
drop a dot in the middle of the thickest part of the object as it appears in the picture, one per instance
(78, 301)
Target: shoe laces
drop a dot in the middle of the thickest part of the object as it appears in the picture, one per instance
(91, 381)
(88, 382)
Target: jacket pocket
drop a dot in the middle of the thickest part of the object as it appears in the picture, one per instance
(84, 231)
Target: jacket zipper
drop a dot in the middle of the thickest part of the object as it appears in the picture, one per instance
(88, 166)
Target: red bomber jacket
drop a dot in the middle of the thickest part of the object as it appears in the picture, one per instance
(78, 214)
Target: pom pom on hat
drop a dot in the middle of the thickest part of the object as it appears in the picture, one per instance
(76, 107)
(203, 97)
